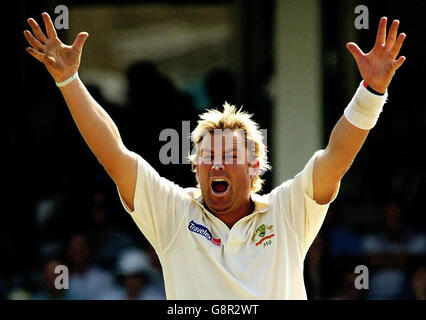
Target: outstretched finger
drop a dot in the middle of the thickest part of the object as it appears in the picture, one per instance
(79, 41)
(355, 51)
(36, 54)
(398, 63)
(33, 41)
(381, 32)
(37, 30)
(42, 57)
(390, 42)
(50, 28)
(398, 45)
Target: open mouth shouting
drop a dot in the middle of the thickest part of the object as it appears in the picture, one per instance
(219, 186)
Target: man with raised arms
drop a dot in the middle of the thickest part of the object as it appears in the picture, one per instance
(222, 239)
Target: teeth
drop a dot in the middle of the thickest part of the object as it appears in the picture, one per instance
(218, 180)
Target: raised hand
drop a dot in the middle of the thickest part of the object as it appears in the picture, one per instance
(379, 65)
(61, 61)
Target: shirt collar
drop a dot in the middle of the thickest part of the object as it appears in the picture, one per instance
(260, 202)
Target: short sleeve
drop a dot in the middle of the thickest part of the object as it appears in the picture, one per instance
(159, 206)
(301, 212)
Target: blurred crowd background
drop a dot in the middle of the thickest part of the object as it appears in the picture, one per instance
(60, 207)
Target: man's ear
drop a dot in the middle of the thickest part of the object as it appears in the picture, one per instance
(196, 172)
(254, 169)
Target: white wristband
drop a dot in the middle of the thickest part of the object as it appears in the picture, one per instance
(365, 108)
(65, 82)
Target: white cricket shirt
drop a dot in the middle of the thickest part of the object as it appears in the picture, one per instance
(260, 257)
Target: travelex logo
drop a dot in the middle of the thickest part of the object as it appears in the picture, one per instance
(200, 229)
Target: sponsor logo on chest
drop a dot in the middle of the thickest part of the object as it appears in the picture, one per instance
(204, 231)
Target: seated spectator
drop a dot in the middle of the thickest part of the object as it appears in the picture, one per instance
(87, 281)
(343, 240)
(418, 283)
(348, 290)
(134, 272)
(156, 283)
(49, 291)
(105, 238)
(389, 252)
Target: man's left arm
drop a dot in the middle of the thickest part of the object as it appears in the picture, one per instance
(347, 137)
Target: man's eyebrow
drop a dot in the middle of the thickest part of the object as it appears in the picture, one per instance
(235, 147)
(232, 150)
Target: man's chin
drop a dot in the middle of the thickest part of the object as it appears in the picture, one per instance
(219, 204)
(219, 209)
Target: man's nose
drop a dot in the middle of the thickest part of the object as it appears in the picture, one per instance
(218, 165)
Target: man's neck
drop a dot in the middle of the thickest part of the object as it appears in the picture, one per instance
(232, 216)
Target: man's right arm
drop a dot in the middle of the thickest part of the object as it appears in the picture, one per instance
(94, 124)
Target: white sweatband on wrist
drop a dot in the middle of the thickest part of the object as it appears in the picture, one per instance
(365, 108)
(65, 82)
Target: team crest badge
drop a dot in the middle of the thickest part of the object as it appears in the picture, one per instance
(263, 235)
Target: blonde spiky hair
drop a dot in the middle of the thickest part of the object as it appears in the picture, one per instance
(232, 119)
